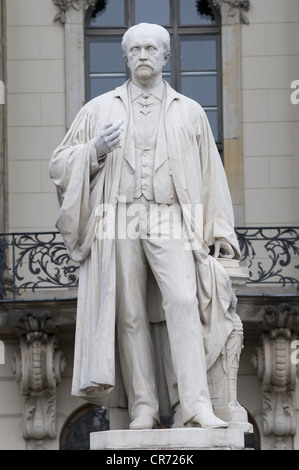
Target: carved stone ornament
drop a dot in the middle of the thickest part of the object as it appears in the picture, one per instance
(222, 377)
(235, 8)
(275, 368)
(64, 5)
(38, 367)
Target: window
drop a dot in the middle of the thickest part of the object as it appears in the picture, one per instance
(88, 418)
(194, 67)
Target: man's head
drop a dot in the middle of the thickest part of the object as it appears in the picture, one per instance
(146, 48)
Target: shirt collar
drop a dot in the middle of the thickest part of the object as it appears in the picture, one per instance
(156, 92)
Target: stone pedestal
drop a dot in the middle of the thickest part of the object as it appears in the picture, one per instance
(168, 439)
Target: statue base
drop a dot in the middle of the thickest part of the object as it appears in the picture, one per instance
(168, 439)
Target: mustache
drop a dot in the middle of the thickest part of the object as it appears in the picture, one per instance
(143, 65)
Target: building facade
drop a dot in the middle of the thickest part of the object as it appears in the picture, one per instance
(240, 60)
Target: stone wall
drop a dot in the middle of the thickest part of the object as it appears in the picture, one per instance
(36, 110)
(270, 63)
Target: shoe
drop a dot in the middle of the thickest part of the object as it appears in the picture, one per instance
(143, 422)
(206, 419)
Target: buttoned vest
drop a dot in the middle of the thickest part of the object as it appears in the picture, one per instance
(144, 175)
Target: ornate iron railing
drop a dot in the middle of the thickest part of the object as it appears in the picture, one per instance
(32, 262)
(271, 254)
(35, 262)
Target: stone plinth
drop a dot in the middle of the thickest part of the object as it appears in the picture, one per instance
(167, 439)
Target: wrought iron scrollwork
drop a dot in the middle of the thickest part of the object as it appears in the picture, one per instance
(32, 261)
(47, 260)
(39, 260)
(280, 246)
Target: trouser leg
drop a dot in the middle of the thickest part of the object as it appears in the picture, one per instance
(133, 330)
(174, 269)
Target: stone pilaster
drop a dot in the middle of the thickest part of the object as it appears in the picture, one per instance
(71, 14)
(233, 15)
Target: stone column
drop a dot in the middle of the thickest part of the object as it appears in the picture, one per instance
(232, 17)
(71, 13)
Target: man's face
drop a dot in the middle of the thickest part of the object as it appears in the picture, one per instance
(145, 56)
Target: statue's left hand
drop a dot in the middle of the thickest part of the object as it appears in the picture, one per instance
(223, 249)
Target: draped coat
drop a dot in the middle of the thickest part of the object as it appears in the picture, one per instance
(84, 184)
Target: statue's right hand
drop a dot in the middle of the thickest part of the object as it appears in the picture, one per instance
(109, 138)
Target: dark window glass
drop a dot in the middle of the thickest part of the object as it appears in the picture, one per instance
(212, 115)
(199, 79)
(194, 66)
(106, 55)
(196, 12)
(107, 65)
(75, 434)
(198, 53)
(152, 11)
(201, 88)
(108, 13)
(102, 84)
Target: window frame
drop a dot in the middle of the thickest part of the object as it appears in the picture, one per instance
(176, 31)
(233, 21)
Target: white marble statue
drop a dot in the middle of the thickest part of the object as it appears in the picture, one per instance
(145, 209)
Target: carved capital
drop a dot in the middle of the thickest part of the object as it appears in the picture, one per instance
(38, 367)
(232, 11)
(272, 359)
(64, 5)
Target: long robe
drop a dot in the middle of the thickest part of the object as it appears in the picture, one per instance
(83, 185)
